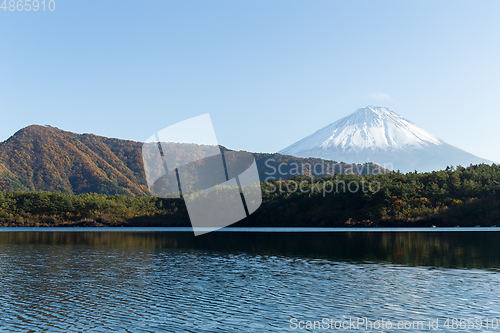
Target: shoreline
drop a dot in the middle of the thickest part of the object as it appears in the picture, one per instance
(250, 229)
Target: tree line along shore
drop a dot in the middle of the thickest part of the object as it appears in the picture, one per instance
(461, 196)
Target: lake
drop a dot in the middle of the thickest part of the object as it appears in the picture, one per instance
(250, 280)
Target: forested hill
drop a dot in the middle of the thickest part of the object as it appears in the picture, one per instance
(44, 158)
(40, 158)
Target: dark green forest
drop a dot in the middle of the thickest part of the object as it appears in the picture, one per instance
(455, 196)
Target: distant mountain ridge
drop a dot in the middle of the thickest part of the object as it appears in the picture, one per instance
(44, 158)
(380, 135)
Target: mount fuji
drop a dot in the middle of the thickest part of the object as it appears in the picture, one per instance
(379, 135)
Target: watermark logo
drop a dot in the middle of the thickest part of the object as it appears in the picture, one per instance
(278, 177)
(218, 187)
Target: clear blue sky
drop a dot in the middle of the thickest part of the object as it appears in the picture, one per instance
(268, 72)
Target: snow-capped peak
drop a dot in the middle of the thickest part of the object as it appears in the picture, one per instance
(379, 135)
(367, 128)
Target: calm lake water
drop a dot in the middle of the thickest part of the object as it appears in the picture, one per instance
(134, 280)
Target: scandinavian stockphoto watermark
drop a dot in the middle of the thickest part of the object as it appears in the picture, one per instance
(361, 323)
(219, 188)
(388, 325)
(325, 186)
(278, 177)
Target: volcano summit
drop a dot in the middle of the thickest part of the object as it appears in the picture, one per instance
(379, 135)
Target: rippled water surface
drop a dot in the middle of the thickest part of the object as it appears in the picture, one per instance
(225, 282)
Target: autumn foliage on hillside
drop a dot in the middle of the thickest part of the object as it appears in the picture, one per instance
(44, 158)
(39, 158)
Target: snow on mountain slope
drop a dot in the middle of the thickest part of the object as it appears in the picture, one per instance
(379, 135)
